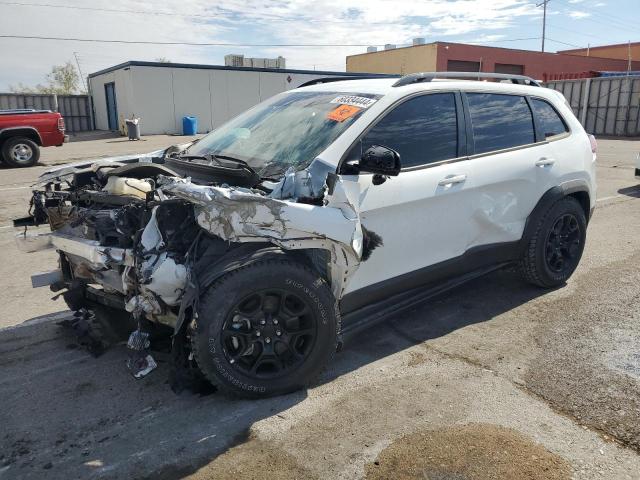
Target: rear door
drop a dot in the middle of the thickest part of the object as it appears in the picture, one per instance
(512, 168)
(422, 215)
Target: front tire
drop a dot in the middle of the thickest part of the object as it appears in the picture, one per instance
(20, 152)
(265, 329)
(555, 248)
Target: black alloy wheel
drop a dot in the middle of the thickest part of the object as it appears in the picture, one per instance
(269, 333)
(555, 245)
(267, 328)
(563, 244)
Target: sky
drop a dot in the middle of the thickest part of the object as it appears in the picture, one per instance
(309, 34)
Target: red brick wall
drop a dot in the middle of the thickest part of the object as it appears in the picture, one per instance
(538, 65)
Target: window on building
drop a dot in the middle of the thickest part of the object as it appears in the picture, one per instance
(422, 130)
(550, 121)
(509, 68)
(462, 66)
(500, 121)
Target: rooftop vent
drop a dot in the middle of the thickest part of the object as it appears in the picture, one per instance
(372, 49)
(389, 46)
(419, 41)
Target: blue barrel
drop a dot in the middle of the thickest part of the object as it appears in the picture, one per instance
(189, 125)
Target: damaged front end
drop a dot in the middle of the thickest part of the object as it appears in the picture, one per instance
(147, 236)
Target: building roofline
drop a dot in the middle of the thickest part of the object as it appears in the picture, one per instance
(633, 44)
(391, 50)
(562, 52)
(139, 63)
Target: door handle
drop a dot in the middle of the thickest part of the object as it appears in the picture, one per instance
(452, 179)
(544, 161)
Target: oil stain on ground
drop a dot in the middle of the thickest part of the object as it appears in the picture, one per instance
(474, 451)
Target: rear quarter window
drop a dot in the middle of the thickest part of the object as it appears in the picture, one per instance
(500, 121)
(549, 120)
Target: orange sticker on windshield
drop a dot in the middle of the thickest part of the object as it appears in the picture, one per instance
(341, 113)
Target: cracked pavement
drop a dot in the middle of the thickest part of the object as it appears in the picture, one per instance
(496, 379)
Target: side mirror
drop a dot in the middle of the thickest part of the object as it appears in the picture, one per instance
(380, 160)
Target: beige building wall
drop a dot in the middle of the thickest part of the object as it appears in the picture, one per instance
(620, 51)
(398, 60)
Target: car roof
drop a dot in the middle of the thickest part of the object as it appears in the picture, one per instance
(384, 86)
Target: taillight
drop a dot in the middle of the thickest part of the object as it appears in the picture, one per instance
(61, 124)
(594, 144)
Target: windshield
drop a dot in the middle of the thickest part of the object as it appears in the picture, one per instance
(285, 131)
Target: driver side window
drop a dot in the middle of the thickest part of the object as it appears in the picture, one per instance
(422, 130)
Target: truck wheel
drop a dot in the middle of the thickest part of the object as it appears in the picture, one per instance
(20, 152)
(265, 329)
(556, 246)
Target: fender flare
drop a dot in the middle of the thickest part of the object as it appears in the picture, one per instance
(6, 133)
(219, 259)
(550, 197)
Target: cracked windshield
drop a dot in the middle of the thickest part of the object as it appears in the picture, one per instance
(288, 131)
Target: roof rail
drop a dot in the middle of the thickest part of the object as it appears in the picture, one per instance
(428, 76)
(318, 81)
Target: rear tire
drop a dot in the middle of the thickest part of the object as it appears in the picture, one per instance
(555, 248)
(265, 329)
(20, 152)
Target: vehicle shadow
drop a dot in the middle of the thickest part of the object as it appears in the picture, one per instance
(630, 191)
(67, 414)
(92, 135)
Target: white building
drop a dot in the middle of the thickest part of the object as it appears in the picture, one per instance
(237, 60)
(162, 93)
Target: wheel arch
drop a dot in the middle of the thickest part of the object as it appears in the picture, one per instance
(28, 132)
(241, 256)
(576, 189)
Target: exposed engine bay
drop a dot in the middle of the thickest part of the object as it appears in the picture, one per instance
(147, 234)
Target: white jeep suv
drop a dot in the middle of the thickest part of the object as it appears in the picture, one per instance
(317, 212)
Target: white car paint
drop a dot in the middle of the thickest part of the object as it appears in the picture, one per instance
(422, 222)
(422, 218)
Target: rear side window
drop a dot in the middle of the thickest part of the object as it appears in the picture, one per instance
(550, 122)
(500, 121)
(422, 130)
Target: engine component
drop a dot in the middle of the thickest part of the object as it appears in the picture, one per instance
(127, 186)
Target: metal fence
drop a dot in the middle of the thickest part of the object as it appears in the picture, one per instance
(76, 109)
(604, 105)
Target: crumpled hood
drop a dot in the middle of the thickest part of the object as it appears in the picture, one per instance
(69, 169)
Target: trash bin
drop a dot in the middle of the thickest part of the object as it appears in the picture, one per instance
(133, 128)
(189, 125)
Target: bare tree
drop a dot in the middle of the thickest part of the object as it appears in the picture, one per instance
(63, 80)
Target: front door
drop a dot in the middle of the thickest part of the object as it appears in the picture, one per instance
(423, 214)
(112, 110)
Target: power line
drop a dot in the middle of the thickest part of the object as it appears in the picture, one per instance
(565, 43)
(263, 19)
(227, 44)
(497, 41)
(194, 44)
(553, 25)
(601, 18)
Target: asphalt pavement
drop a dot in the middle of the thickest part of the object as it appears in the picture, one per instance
(496, 379)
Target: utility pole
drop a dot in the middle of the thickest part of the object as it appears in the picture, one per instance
(75, 54)
(544, 19)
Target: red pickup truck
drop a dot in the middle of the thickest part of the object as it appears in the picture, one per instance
(24, 131)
